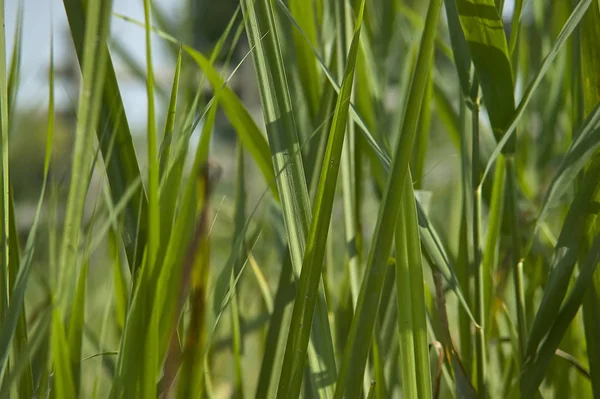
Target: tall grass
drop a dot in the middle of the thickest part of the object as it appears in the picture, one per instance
(407, 206)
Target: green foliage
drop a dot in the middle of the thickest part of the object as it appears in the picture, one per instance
(375, 228)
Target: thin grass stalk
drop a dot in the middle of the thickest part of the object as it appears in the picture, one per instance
(240, 218)
(4, 173)
(516, 260)
(480, 348)
(464, 249)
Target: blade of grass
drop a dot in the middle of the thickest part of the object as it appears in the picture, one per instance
(291, 184)
(165, 147)
(94, 62)
(357, 347)
(590, 54)
(122, 168)
(565, 255)
(564, 34)
(75, 330)
(63, 381)
(431, 241)
(534, 371)
(306, 295)
(15, 62)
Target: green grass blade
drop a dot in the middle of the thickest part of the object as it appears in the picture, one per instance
(307, 292)
(565, 33)
(535, 370)
(15, 62)
(286, 157)
(277, 332)
(240, 218)
(307, 67)
(431, 241)
(4, 174)
(357, 347)
(590, 54)
(460, 49)
(165, 147)
(95, 56)
(122, 167)
(405, 319)
(484, 32)
(565, 255)
(239, 117)
(75, 331)
(63, 382)
(410, 252)
(577, 156)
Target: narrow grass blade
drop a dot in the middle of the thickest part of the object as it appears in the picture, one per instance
(75, 331)
(357, 347)
(307, 292)
(63, 382)
(15, 62)
(165, 147)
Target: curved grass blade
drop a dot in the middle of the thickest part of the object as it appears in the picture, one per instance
(307, 292)
(239, 117)
(357, 347)
(578, 155)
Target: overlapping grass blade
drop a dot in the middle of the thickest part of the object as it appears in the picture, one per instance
(484, 32)
(357, 347)
(239, 117)
(565, 255)
(94, 61)
(291, 183)
(535, 370)
(431, 241)
(307, 67)
(564, 34)
(122, 166)
(307, 291)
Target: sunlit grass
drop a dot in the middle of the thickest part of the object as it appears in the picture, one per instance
(348, 199)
